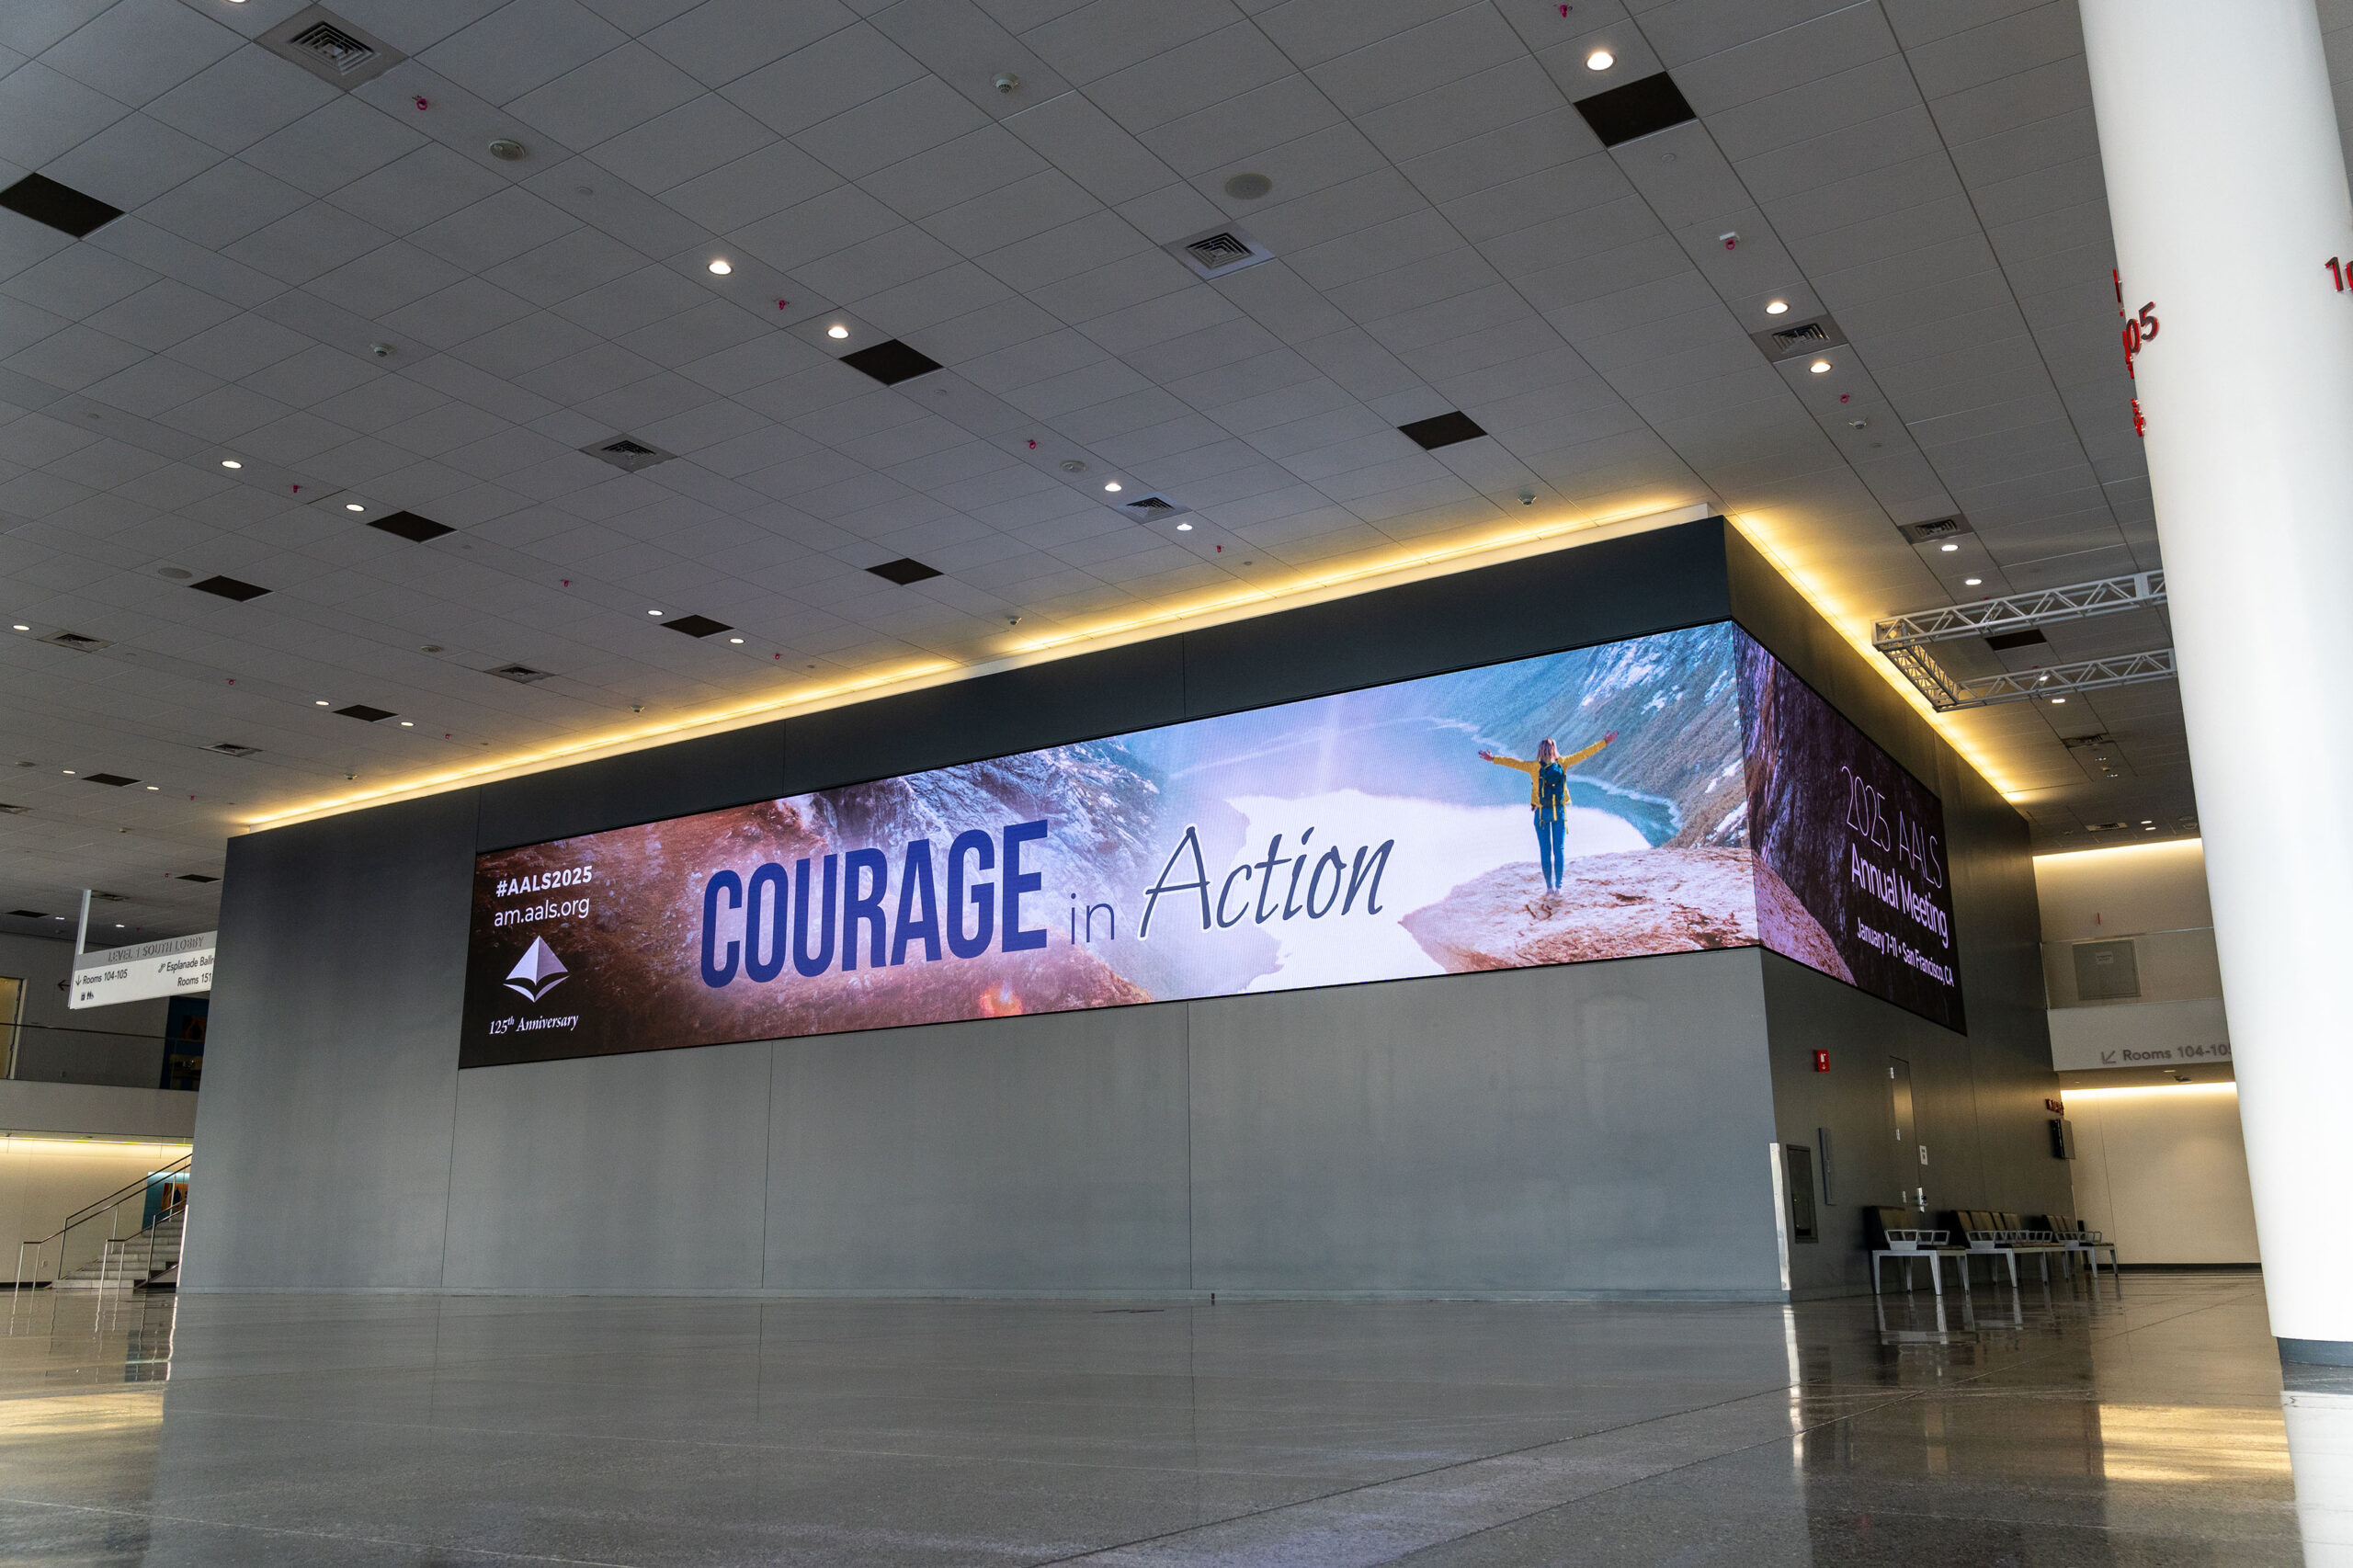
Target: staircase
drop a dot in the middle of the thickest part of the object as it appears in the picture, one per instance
(149, 1259)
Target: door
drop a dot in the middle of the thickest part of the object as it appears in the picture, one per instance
(1899, 1115)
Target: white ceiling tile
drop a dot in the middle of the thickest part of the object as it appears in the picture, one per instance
(239, 99)
(453, 316)
(78, 282)
(895, 125)
(1489, 101)
(313, 240)
(1091, 148)
(692, 139)
(1462, 42)
(330, 147)
(611, 94)
(522, 45)
(1234, 130)
(223, 204)
(44, 112)
(415, 191)
(132, 162)
(721, 39)
(828, 77)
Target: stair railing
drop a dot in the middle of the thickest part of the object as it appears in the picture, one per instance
(118, 1252)
(108, 1208)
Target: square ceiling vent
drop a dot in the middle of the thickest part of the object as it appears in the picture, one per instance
(627, 453)
(231, 748)
(1934, 529)
(330, 48)
(77, 642)
(1798, 338)
(521, 674)
(1154, 507)
(1216, 252)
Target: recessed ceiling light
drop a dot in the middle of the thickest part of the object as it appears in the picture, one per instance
(67, 771)
(322, 702)
(737, 640)
(152, 788)
(837, 330)
(353, 507)
(408, 723)
(653, 612)
(230, 462)
(1973, 582)
(117, 924)
(721, 268)
(1949, 549)
(2056, 701)
(1820, 366)
(1778, 308)
(1113, 486)
(1184, 528)
(1600, 60)
(24, 628)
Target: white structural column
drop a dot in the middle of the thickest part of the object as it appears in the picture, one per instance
(2226, 187)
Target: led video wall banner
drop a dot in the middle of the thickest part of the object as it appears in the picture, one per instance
(1695, 794)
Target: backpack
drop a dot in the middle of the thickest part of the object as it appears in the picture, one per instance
(1551, 787)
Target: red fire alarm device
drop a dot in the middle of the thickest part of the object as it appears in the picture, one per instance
(1822, 1062)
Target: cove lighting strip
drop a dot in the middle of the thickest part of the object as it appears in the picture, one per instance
(1406, 565)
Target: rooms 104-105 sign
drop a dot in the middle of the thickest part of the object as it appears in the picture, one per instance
(177, 966)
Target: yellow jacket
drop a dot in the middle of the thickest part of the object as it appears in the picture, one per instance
(1568, 759)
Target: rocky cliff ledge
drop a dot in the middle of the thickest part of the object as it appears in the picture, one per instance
(1615, 907)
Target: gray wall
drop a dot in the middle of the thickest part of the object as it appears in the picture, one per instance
(122, 1045)
(1593, 1129)
(1977, 1098)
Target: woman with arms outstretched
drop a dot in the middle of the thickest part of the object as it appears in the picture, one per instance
(1547, 797)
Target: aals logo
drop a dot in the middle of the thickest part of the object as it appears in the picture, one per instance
(537, 972)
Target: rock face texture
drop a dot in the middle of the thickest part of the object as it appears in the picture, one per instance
(1617, 906)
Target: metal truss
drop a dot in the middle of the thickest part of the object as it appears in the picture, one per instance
(1948, 692)
(1905, 640)
(2018, 612)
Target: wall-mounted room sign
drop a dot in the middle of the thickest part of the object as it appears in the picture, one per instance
(1705, 797)
(177, 966)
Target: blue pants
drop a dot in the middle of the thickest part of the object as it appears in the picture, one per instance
(1551, 828)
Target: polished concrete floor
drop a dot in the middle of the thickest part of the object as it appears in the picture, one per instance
(2144, 1429)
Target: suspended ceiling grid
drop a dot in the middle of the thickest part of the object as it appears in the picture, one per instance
(1447, 234)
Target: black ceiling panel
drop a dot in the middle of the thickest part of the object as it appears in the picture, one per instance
(60, 205)
(891, 362)
(1638, 109)
(364, 713)
(904, 571)
(229, 588)
(2005, 642)
(698, 625)
(116, 779)
(1443, 430)
(409, 526)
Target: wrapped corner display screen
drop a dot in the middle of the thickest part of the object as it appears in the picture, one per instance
(1335, 841)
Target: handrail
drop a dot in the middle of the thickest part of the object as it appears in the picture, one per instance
(116, 1199)
(104, 1206)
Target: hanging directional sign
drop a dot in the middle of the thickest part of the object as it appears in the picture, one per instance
(177, 966)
